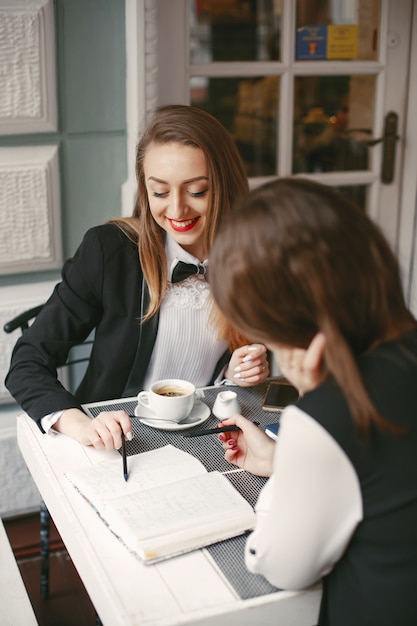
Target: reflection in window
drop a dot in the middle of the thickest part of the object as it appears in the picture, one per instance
(248, 108)
(343, 29)
(234, 30)
(333, 120)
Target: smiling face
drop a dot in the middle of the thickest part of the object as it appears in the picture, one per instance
(177, 185)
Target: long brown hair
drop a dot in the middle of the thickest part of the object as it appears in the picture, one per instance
(194, 127)
(301, 258)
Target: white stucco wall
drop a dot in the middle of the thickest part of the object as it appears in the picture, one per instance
(18, 493)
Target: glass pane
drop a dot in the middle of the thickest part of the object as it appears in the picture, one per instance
(344, 30)
(247, 107)
(356, 193)
(234, 30)
(333, 120)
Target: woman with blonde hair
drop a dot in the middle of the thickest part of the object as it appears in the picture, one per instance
(322, 291)
(140, 284)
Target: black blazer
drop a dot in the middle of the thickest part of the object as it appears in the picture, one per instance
(102, 289)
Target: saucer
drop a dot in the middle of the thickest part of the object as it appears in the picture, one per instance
(199, 414)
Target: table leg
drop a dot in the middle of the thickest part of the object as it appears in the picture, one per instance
(44, 539)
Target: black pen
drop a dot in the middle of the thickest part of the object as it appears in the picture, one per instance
(214, 431)
(125, 472)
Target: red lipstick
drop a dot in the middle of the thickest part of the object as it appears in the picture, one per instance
(183, 226)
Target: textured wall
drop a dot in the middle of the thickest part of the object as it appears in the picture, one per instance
(85, 41)
(20, 94)
(13, 302)
(30, 233)
(27, 79)
(18, 492)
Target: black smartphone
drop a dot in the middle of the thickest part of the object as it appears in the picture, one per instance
(279, 394)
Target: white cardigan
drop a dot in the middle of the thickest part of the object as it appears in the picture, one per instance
(309, 508)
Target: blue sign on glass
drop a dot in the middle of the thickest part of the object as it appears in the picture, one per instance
(311, 42)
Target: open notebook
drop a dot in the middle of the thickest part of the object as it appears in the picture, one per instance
(169, 505)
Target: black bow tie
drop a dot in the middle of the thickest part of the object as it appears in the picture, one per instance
(183, 270)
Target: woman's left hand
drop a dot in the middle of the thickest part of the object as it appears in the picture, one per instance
(249, 365)
(304, 368)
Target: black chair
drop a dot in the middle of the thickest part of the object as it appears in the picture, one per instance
(22, 321)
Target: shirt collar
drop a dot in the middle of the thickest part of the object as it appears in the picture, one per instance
(175, 253)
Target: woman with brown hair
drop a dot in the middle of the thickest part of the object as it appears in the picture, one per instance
(322, 290)
(140, 284)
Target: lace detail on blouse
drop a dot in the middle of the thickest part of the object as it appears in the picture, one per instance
(191, 292)
(186, 345)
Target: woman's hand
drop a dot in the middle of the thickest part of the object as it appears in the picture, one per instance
(248, 366)
(304, 368)
(250, 448)
(103, 432)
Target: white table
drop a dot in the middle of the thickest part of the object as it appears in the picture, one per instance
(186, 590)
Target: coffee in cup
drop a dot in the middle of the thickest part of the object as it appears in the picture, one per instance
(171, 391)
(170, 399)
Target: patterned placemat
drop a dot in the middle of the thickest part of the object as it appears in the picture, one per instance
(228, 555)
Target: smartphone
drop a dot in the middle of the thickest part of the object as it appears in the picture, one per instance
(279, 394)
(272, 430)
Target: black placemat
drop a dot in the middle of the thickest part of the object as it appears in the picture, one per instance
(228, 555)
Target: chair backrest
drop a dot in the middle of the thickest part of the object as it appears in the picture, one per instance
(22, 321)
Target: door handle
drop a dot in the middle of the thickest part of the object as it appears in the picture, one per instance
(389, 141)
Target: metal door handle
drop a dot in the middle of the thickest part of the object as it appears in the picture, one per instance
(389, 140)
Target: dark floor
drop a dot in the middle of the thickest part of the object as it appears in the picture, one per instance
(68, 603)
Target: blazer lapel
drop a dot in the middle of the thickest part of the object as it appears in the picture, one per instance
(147, 337)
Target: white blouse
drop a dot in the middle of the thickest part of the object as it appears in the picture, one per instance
(309, 508)
(186, 345)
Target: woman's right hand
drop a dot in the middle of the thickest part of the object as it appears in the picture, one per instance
(250, 448)
(104, 432)
(248, 365)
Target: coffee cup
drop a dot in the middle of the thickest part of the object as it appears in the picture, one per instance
(170, 399)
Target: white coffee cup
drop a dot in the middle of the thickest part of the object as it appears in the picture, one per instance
(171, 399)
(226, 405)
